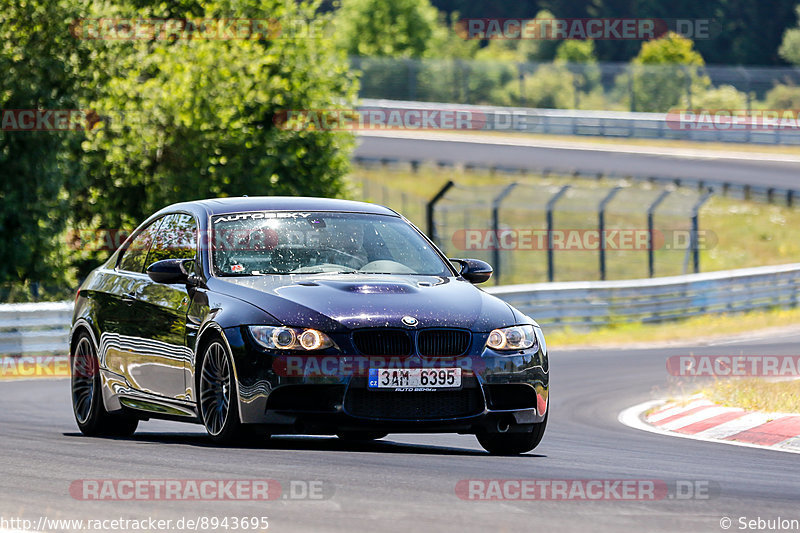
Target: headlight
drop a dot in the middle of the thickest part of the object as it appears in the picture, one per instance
(282, 338)
(513, 338)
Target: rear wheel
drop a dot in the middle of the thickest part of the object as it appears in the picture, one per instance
(87, 397)
(498, 443)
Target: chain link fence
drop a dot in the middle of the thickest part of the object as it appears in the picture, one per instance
(558, 228)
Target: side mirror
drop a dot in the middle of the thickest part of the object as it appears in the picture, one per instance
(474, 270)
(170, 271)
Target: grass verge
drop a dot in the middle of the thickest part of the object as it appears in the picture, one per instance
(756, 394)
(693, 329)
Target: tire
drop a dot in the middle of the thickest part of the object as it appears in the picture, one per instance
(361, 436)
(87, 398)
(497, 443)
(217, 400)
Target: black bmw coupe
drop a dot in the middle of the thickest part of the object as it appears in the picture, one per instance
(277, 315)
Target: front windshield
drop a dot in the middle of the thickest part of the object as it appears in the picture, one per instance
(270, 242)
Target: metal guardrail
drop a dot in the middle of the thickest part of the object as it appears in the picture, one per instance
(597, 303)
(35, 327)
(44, 327)
(599, 123)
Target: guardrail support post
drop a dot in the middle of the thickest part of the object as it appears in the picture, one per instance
(550, 205)
(651, 211)
(496, 229)
(695, 230)
(431, 206)
(601, 228)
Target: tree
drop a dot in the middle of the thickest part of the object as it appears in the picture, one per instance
(377, 28)
(39, 60)
(665, 73)
(790, 45)
(201, 118)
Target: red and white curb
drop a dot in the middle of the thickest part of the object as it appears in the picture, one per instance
(701, 419)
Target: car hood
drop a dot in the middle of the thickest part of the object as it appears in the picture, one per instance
(334, 302)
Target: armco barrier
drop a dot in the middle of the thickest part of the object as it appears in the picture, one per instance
(600, 123)
(35, 327)
(597, 303)
(44, 327)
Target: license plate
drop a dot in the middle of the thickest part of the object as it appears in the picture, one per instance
(414, 378)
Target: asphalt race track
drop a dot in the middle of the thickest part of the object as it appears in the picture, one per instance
(407, 482)
(778, 174)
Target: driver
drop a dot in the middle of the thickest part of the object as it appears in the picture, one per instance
(344, 241)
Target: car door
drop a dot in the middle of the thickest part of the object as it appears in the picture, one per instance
(120, 337)
(161, 310)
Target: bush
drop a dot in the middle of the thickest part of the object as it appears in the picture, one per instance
(549, 87)
(664, 73)
(722, 97)
(783, 97)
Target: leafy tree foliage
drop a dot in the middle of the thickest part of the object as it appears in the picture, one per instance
(39, 61)
(201, 118)
(377, 28)
(665, 72)
(178, 120)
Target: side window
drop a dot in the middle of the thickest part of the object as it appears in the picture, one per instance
(176, 239)
(136, 253)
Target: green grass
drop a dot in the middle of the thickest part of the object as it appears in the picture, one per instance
(738, 233)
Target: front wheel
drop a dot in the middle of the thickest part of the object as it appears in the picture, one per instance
(497, 443)
(87, 397)
(218, 401)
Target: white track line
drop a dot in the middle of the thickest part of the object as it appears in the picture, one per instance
(732, 427)
(790, 444)
(699, 416)
(632, 417)
(662, 415)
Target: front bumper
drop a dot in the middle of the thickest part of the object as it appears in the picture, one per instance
(329, 393)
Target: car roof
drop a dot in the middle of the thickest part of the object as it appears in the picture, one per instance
(219, 206)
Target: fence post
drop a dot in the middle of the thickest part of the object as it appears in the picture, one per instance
(496, 229)
(695, 230)
(650, 214)
(631, 93)
(412, 79)
(431, 206)
(601, 228)
(550, 205)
